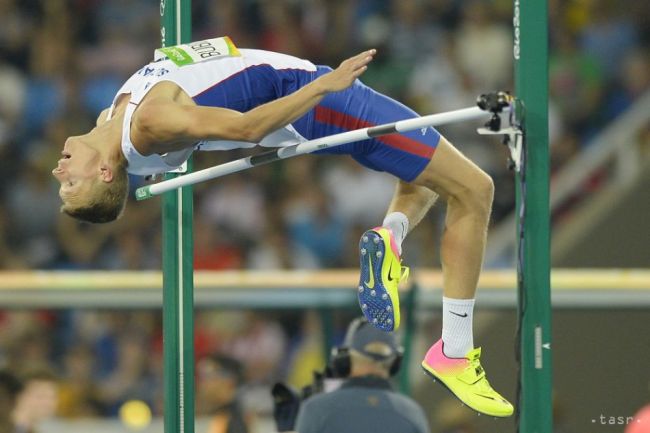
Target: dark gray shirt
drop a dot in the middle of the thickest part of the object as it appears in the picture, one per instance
(362, 405)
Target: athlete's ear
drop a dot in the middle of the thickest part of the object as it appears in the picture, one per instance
(105, 172)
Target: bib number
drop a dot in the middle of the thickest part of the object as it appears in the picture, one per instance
(199, 51)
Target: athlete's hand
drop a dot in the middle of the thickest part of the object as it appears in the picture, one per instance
(348, 71)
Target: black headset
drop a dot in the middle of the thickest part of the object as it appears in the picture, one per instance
(340, 364)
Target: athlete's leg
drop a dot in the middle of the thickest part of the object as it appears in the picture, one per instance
(413, 200)
(427, 166)
(403, 155)
(468, 191)
(410, 203)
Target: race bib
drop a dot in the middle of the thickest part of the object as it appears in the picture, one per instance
(199, 51)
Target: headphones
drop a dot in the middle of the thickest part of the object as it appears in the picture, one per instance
(340, 364)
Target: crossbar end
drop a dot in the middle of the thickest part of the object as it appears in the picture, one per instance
(143, 193)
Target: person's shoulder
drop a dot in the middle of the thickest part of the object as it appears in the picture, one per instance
(346, 396)
(410, 410)
(322, 406)
(322, 399)
(404, 401)
(329, 401)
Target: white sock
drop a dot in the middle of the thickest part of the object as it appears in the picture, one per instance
(398, 223)
(457, 333)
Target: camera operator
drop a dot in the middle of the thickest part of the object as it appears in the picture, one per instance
(365, 402)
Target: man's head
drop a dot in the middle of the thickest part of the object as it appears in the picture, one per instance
(219, 378)
(367, 351)
(94, 181)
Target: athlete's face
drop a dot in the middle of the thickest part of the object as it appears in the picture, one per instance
(77, 168)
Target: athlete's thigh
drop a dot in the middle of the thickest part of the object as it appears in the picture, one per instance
(451, 173)
(404, 155)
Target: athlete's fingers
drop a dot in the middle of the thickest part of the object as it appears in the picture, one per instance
(359, 60)
(366, 53)
(348, 71)
(363, 62)
(360, 71)
(363, 59)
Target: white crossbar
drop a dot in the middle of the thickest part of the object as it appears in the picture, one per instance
(454, 116)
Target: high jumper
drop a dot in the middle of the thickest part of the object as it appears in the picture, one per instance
(209, 95)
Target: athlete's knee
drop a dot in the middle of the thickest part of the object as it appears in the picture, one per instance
(478, 192)
(486, 189)
(458, 180)
(473, 191)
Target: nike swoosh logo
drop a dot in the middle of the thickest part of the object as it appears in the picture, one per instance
(491, 398)
(459, 315)
(487, 396)
(390, 273)
(370, 283)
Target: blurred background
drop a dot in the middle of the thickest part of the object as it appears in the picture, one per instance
(61, 62)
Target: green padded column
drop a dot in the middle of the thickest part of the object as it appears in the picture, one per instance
(178, 282)
(531, 80)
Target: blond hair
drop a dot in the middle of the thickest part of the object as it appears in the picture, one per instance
(103, 201)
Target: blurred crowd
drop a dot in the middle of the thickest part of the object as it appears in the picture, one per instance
(61, 62)
(98, 361)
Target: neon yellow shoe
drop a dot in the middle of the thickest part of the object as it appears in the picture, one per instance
(381, 273)
(465, 378)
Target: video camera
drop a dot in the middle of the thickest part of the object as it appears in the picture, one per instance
(286, 400)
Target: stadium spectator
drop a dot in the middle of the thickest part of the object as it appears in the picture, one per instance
(219, 380)
(365, 401)
(37, 401)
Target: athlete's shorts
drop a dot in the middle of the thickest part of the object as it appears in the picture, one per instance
(404, 155)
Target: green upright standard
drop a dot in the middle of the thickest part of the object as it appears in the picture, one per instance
(530, 21)
(178, 282)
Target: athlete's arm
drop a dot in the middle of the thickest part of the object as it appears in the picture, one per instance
(166, 126)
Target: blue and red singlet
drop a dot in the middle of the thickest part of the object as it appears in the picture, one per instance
(255, 77)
